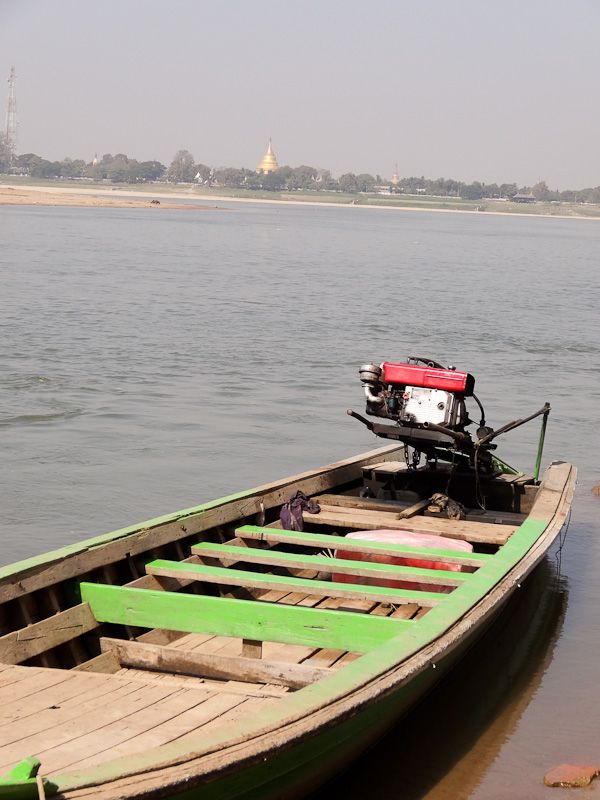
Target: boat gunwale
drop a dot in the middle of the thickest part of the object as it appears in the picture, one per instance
(322, 705)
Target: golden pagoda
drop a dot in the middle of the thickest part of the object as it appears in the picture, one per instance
(395, 177)
(268, 162)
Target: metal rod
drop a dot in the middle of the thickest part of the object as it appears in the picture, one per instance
(456, 435)
(360, 418)
(540, 450)
(514, 424)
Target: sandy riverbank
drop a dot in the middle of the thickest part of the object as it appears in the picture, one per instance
(92, 198)
(132, 197)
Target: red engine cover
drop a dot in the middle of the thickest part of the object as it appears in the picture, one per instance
(429, 378)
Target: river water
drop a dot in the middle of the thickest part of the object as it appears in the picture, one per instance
(153, 359)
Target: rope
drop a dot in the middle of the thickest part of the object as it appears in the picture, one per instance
(561, 543)
(40, 787)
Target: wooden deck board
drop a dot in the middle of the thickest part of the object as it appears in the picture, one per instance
(51, 715)
(114, 711)
(89, 717)
(39, 679)
(327, 657)
(251, 706)
(9, 676)
(475, 532)
(187, 722)
(167, 705)
(58, 695)
(70, 729)
(294, 653)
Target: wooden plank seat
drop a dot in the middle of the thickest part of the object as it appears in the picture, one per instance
(403, 507)
(384, 468)
(177, 661)
(244, 619)
(260, 580)
(287, 653)
(362, 519)
(277, 558)
(326, 541)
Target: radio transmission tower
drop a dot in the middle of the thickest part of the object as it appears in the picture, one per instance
(11, 113)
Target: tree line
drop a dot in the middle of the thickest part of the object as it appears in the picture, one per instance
(184, 169)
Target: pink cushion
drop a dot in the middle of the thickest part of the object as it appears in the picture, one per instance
(427, 540)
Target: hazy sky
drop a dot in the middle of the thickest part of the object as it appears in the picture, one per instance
(470, 89)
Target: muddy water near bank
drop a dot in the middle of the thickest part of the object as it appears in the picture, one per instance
(151, 363)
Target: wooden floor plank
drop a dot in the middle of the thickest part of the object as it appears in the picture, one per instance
(327, 657)
(39, 680)
(57, 695)
(47, 718)
(249, 707)
(187, 722)
(296, 653)
(216, 644)
(12, 674)
(189, 641)
(324, 658)
(384, 610)
(124, 729)
(73, 729)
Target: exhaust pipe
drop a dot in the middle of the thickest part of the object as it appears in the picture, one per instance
(370, 375)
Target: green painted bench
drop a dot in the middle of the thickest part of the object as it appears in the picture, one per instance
(244, 619)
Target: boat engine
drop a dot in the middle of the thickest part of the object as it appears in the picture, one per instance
(424, 399)
(409, 393)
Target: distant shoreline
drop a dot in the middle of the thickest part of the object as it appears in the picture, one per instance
(88, 198)
(133, 197)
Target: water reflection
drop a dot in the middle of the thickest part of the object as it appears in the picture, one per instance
(444, 747)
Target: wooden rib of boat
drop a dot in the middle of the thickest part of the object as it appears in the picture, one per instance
(212, 654)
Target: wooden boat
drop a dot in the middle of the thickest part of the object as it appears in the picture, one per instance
(210, 654)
